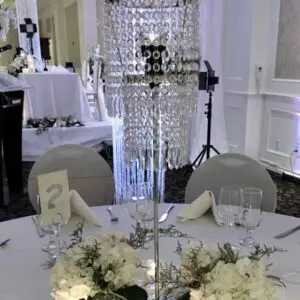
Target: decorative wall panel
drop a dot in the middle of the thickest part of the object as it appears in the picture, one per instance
(288, 45)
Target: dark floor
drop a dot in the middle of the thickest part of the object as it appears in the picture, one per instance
(176, 181)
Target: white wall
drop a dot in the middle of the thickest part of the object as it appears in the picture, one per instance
(73, 40)
(13, 39)
(87, 23)
(264, 125)
(87, 11)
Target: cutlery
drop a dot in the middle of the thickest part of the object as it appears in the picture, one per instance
(4, 243)
(113, 218)
(287, 233)
(164, 217)
(37, 226)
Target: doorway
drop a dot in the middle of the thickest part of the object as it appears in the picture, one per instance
(73, 39)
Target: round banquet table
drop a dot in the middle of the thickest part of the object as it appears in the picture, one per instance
(23, 277)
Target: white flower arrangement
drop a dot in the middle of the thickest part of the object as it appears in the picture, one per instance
(43, 125)
(96, 268)
(17, 65)
(219, 274)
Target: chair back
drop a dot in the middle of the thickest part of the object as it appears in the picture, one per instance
(232, 169)
(85, 73)
(89, 174)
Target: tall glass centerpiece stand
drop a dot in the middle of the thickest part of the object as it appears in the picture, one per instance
(151, 84)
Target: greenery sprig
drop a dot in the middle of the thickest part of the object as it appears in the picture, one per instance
(259, 252)
(142, 235)
(76, 235)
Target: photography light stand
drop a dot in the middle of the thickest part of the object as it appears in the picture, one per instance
(207, 82)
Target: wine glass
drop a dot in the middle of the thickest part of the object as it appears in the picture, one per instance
(251, 213)
(229, 205)
(55, 246)
(141, 210)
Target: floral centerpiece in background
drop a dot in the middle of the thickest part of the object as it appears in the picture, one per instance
(219, 274)
(17, 65)
(98, 268)
(42, 125)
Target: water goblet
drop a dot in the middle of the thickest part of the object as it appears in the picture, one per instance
(55, 246)
(229, 205)
(141, 209)
(251, 213)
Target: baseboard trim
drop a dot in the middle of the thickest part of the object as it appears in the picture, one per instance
(281, 173)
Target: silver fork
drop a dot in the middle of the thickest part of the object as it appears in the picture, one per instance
(113, 218)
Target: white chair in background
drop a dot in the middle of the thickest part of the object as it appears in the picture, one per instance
(85, 74)
(233, 170)
(94, 84)
(88, 172)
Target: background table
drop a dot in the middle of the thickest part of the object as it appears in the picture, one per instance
(22, 276)
(55, 95)
(92, 135)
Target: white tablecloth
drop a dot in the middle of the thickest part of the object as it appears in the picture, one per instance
(55, 95)
(92, 135)
(22, 276)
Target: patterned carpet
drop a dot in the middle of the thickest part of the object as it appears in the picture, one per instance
(176, 181)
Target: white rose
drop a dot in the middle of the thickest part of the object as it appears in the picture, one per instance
(196, 295)
(227, 296)
(75, 293)
(224, 278)
(213, 297)
(128, 275)
(109, 276)
(243, 265)
(80, 291)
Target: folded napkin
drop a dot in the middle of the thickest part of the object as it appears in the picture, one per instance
(80, 208)
(199, 207)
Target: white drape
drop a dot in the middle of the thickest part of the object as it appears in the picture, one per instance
(211, 38)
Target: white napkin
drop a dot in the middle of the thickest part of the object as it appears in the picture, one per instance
(197, 208)
(80, 208)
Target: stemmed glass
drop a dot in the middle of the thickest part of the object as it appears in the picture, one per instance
(141, 210)
(229, 205)
(54, 245)
(251, 213)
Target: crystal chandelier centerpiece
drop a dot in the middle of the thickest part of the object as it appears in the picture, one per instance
(151, 83)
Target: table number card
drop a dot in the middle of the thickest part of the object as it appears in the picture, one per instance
(54, 197)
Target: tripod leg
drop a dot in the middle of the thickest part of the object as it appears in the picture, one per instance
(199, 156)
(202, 157)
(213, 148)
